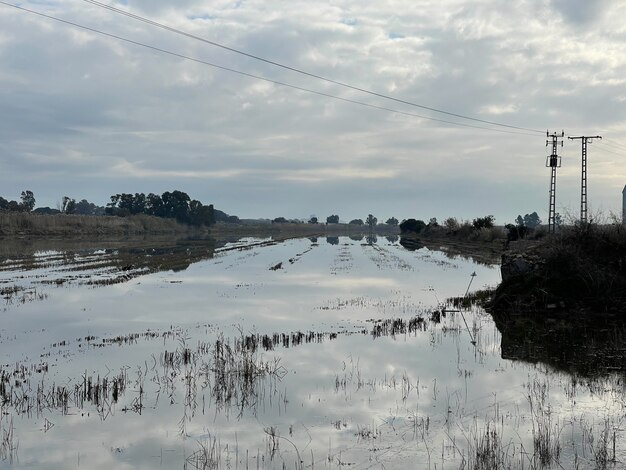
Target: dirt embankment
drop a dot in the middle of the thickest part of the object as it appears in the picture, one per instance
(580, 269)
(13, 225)
(300, 230)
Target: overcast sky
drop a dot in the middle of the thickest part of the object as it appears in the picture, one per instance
(87, 116)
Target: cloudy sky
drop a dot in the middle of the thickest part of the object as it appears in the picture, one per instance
(87, 115)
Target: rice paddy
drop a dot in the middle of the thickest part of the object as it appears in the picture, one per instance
(330, 352)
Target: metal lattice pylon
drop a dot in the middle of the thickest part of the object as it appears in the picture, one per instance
(583, 180)
(553, 161)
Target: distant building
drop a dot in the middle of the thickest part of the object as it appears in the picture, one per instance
(624, 205)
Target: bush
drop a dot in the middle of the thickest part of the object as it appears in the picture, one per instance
(412, 225)
(484, 222)
(486, 234)
(581, 265)
(451, 224)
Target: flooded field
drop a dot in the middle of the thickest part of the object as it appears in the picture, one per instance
(330, 352)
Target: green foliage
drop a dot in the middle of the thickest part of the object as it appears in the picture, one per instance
(356, 222)
(84, 207)
(28, 201)
(332, 219)
(524, 226)
(371, 221)
(515, 232)
(485, 234)
(558, 220)
(313, 220)
(529, 220)
(483, 222)
(280, 220)
(171, 205)
(68, 205)
(451, 223)
(392, 221)
(27, 205)
(224, 217)
(412, 225)
(46, 211)
(579, 265)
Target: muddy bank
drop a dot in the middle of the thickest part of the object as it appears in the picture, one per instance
(30, 225)
(580, 269)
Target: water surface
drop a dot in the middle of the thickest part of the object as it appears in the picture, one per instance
(329, 352)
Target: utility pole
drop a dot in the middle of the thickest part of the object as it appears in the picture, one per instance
(583, 181)
(553, 161)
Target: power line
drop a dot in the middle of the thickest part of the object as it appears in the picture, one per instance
(604, 149)
(616, 145)
(300, 71)
(257, 77)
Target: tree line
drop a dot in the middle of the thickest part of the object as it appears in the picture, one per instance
(451, 224)
(171, 205)
(26, 204)
(370, 221)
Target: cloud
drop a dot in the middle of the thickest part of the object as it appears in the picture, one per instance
(90, 116)
(581, 12)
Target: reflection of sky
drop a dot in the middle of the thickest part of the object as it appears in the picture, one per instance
(363, 400)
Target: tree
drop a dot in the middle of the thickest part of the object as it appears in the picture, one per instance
(356, 222)
(451, 224)
(558, 219)
(313, 220)
(332, 219)
(484, 222)
(515, 232)
(4, 204)
(28, 201)
(392, 221)
(199, 214)
(176, 205)
(138, 204)
(68, 205)
(433, 222)
(84, 207)
(46, 211)
(529, 220)
(532, 220)
(279, 220)
(412, 225)
(154, 205)
(371, 221)
(111, 207)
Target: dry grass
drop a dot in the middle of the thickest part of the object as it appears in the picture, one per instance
(25, 224)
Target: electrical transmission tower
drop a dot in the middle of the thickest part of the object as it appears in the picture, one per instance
(583, 181)
(553, 161)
